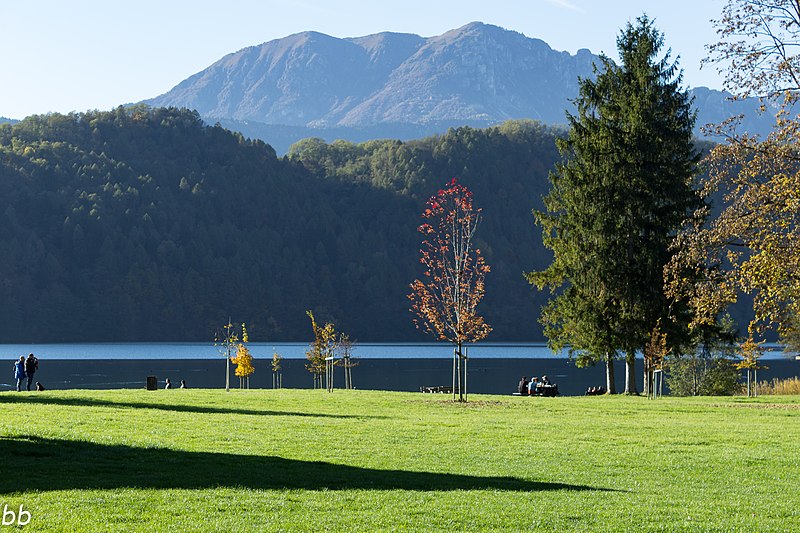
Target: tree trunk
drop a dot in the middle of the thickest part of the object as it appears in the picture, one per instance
(454, 375)
(460, 377)
(611, 388)
(630, 373)
(329, 378)
(748, 384)
(647, 380)
(228, 372)
(755, 382)
(466, 397)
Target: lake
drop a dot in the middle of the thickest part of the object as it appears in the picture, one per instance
(494, 368)
(264, 350)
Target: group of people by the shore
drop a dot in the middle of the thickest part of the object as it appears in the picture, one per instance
(24, 370)
(537, 387)
(168, 384)
(26, 367)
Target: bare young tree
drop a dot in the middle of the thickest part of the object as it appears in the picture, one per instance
(759, 48)
(225, 339)
(346, 346)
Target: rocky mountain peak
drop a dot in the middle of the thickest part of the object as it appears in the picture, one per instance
(478, 74)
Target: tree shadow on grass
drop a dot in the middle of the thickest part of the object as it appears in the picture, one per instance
(180, 408)
(43, 464)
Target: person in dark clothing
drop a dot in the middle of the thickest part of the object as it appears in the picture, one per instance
(522, 388)
(31, 366)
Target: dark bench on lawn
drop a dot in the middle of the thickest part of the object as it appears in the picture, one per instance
(542, 390)
(441, 389)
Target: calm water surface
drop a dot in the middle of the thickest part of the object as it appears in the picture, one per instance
(493, 368)
(264, 350)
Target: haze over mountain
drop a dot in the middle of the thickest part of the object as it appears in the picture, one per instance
(400, 85)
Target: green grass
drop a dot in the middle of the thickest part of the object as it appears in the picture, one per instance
(302, 460)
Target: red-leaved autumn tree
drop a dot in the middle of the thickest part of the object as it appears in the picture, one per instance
(445, 301)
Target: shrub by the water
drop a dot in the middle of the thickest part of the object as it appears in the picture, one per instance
(702, 376)
(780, 386)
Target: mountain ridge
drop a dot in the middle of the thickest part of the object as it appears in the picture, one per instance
(478, 74)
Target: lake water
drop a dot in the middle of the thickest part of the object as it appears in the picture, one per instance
(264, 350)
(290, 350)
(493, 368)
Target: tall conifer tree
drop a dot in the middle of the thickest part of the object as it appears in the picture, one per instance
(623, 190)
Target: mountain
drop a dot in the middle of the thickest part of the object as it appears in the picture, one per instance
(311, 84)
(475, 73)
(4, 120)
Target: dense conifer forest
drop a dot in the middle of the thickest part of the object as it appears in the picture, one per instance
(145, 224)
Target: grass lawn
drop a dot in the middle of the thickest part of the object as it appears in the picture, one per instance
(303, 460)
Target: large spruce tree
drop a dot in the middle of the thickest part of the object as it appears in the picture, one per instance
(620, 194)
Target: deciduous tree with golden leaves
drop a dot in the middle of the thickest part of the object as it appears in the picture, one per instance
(243, 360)
(751, 352)
(753, 245)
(323, 347)
(277, 378)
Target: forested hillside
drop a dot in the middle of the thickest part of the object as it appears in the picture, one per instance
(145, 224)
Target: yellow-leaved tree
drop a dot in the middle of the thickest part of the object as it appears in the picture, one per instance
(753, 245)
(277, 380)
(243, 361)
(750, 352)
(321, 350)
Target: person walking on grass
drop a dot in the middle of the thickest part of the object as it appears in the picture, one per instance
(19, 371)
(31, 366)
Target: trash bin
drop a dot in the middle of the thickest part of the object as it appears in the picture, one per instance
(152, 383)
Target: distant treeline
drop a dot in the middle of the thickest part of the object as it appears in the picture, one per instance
(146, 224)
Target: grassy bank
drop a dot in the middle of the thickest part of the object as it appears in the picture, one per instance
(202, 460)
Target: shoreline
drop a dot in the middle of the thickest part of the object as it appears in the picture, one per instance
(485, 375)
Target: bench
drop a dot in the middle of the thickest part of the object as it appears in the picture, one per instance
(542, 390)
(441, 389)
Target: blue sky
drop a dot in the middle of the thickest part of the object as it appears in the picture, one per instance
(90, 54)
